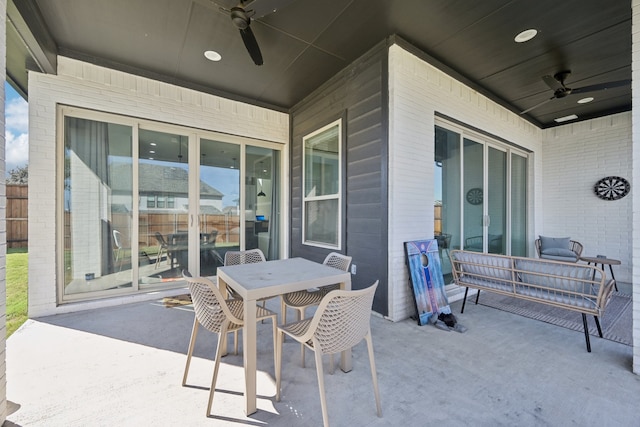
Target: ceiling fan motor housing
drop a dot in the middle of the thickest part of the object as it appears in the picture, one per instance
(239, 18)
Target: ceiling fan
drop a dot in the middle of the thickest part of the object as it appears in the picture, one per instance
(241, 17)
(560, 90)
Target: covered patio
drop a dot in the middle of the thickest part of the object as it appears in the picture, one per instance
(123, 366)
(118, 358)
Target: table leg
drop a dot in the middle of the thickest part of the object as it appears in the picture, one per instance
(345, 356)
(612, 276)
(249, 351)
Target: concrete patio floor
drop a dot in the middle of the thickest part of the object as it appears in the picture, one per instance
(123, 366)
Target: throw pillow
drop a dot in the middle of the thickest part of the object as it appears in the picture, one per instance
(554, 242)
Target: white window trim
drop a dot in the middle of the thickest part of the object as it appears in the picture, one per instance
(337, 196)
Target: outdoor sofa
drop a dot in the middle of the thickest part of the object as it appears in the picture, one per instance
(578, 287)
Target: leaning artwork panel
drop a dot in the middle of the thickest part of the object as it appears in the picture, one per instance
(427, 283)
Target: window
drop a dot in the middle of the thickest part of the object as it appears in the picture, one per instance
(322, 171)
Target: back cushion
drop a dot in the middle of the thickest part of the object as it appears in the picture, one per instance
(547, 243)
(574, 277)
(494, 266)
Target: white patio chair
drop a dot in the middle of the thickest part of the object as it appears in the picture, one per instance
(218, 316)
(120, 248)
(300, 300)
(341, 321)
(162, 247)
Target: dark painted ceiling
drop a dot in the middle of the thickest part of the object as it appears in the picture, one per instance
(305, 42)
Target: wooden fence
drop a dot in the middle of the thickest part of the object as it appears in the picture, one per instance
(17, 216)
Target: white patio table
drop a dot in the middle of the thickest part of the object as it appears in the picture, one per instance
(268, 279)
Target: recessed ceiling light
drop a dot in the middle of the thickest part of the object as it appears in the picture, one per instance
(153, 144)
(212, 55)
(152, 152)
(585, 100)
(565, 118)
(526, 35)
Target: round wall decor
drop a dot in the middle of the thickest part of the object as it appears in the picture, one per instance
(474, 196)
(612, 188)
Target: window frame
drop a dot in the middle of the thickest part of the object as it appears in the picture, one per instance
(334, 196)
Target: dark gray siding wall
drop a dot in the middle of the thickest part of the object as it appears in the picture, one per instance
(358, 95)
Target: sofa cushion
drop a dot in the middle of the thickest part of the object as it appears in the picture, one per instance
(553, 281)
(559, 252)
(484, 270)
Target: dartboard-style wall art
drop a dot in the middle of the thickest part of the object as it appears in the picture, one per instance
(474, 196)
(612, 188)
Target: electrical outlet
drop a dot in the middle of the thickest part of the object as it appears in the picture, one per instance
(353, 269)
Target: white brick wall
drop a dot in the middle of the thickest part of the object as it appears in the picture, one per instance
(574, 158)
(635, 76)
(92, 87)
(416, 91)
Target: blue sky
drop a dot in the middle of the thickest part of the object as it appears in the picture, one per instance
(16, 129)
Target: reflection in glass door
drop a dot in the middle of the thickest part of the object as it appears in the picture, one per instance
(447, 196)
(496, 219)
(219, 207)
(262, 201)
(473, 190)
(97, 207)
(518, 205)
(163, 192)
(477, 183)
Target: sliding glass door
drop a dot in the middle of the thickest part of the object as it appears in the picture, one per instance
(480, 194)
(144, 201)
(262, 201)
(97, 207)
(219, 203)
(163, 194)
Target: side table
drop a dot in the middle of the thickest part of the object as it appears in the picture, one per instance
(602, 261)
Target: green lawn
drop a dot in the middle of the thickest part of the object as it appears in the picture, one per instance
(17, 280)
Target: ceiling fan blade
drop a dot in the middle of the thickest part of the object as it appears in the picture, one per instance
(538, 105)
(251, 44)
(552, 82)
(601, 86)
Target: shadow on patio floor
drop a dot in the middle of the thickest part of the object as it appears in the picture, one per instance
(123, 366)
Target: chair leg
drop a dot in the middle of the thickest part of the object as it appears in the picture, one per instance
(274, 320)
(192, 343)
(216, 367)
(283, 311)
(300, 317)
(280, 339)
(323, 400)
(464, 300)
(477, 296)
(158, 256)
(374, 375)
(598, 326)
(586, 332)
